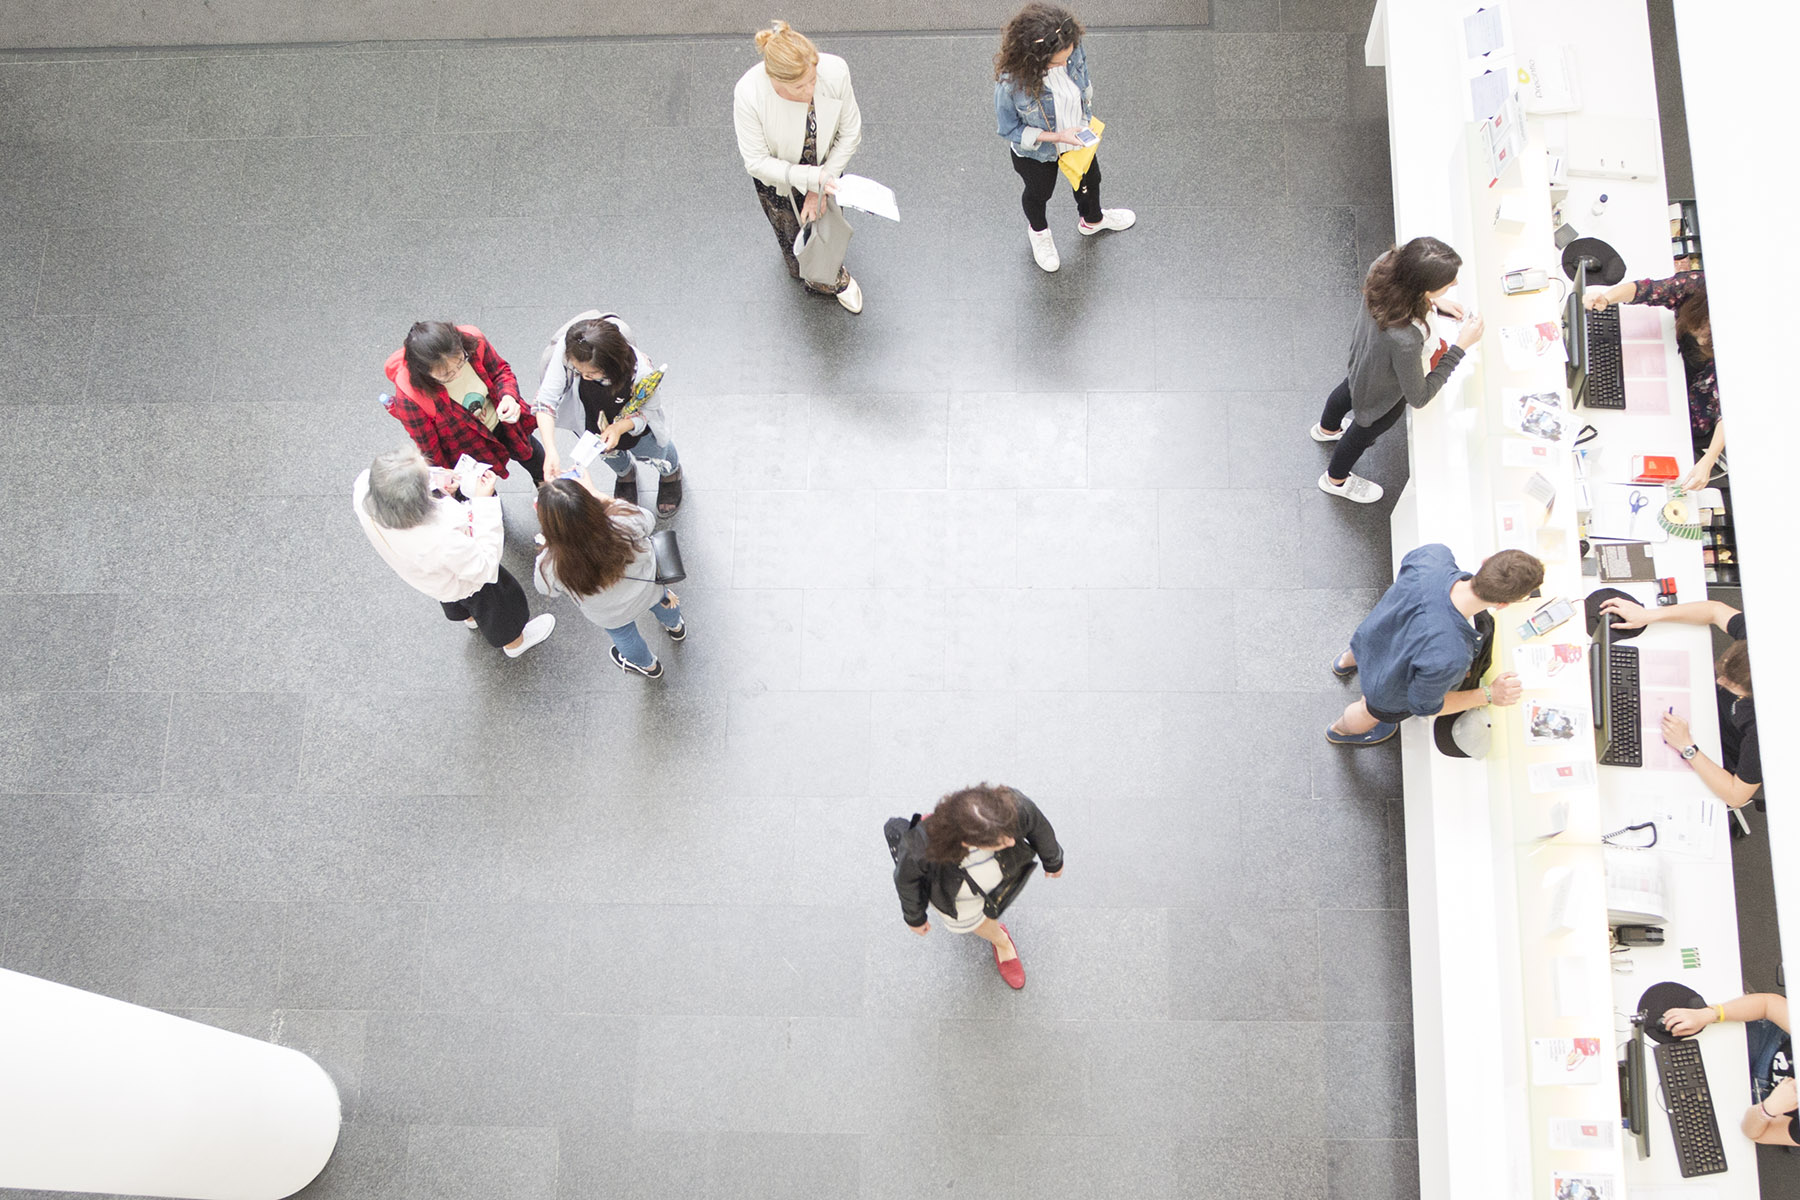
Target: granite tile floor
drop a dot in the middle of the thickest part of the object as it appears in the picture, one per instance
(557, 932)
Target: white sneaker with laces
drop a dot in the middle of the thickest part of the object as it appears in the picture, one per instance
(1043, 248)
(1322, 434)
(1354, 487)
(851, 297)
(536, 630)
(1110, 218)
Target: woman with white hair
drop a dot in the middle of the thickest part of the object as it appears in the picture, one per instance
(797, 126)
(448, 549)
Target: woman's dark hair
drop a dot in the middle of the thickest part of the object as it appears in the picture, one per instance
(598, 343)
(1036, 33)
(1398, 282)
(975, 816)
(1692, 320)
(1734, 664)
(429, 343)
(588, 550)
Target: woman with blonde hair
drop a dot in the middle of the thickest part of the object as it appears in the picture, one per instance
(797, 126)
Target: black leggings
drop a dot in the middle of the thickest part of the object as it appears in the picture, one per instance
(1040, 182)
(1357, 438)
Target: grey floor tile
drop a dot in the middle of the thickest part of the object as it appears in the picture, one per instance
(489, 1161)
(488, 1069)
(1149, 1070)
(314, 93)
(1284, 75)
(1245, 961)
(872, 638)
(1156, 440)
(804, 539)
(926, 751)
(1166, 640)
(791, 744)
(42, 842)
(1229, 538)
(344, 848)
(177, 953)
(1017, 1166)
(99, 100)
(1053, 523)
(1372, 1170)
(1017, 639)
(1365, 961)
(352, 956)
(1336, 161)
(84, 742)
(1018, 440)
(946, 539)
(226, 741)
(645, 1165)
(1052, 1093)
(1194, 354)
(495, 958)
(1271, 1168)
(47, 353)
(1316, 624)
(22, 255)
(60, 643)
(369, 1163)
(877, 441)
(1373, 1094)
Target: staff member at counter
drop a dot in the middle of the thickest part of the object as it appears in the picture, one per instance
(1773, 1119)
(1421, 639)
(1684, 292)
(1738, 778)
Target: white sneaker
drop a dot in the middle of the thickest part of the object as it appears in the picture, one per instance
(536, 630)
(1043, 248)
(851, 297)
(1354, 487)
(1110, 218)
(1322, 434)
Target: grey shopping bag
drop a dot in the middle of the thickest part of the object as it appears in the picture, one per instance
(822, 245)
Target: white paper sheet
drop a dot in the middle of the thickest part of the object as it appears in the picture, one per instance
(858, 192)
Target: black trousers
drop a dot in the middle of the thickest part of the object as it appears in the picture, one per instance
(1357, 438)
(499, 608)
(1040, 183)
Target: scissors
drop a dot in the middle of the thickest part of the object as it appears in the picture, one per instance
(1638, 502)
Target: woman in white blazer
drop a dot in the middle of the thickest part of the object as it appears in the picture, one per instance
(590, 375)
(797, 126)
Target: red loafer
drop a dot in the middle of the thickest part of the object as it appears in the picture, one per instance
(1012, 970)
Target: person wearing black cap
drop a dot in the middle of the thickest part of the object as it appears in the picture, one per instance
(1773, 1119)
(1737, 778)
(1416, 646)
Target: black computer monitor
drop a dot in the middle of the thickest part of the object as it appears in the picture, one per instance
(1575, 339)
(1599, 673)
(1634, 1093)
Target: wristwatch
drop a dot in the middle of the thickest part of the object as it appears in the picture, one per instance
(1691, 749)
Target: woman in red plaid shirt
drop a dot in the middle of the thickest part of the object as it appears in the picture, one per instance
(457, 396)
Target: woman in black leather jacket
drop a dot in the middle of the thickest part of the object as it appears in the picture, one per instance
(976, 841)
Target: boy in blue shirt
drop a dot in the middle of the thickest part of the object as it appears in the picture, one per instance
(1418, 643)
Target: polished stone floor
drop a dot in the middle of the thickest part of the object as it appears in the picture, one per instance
(557, 932)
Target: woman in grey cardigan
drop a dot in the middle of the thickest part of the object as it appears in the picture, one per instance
(597, 549)
(1390, 360)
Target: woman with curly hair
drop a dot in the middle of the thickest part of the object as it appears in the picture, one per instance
(1392, 357)
(1043, 101)
(597, 549)
(977, 841)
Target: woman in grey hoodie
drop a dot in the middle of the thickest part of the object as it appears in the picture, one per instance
(1392, 357)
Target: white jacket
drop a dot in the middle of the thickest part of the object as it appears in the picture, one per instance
(558, 396)
(450, 556)
(771, 131)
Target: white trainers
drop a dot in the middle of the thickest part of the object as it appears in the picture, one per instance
(851, 297)
(1322, 434)
(536, 630)
(1354, 487)
(1110, 218)
(1043, 248)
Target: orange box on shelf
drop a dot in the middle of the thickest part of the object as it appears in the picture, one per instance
(1654, 468)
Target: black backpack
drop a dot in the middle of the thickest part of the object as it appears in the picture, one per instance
(895, 828)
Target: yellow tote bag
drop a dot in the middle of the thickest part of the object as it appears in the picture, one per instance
(1076, 162)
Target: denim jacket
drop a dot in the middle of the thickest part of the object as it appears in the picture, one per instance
(1016, 110)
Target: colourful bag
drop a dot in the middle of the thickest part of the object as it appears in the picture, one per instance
(1075, 163)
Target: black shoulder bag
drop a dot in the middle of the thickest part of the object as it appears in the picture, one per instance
(996, 902)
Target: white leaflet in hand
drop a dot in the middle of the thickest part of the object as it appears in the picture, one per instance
(587, 449)
(467, 470)
(856, 191)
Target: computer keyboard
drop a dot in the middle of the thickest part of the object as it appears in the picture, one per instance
(1627, 746)
(1605, 364)
(1691, 1116)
